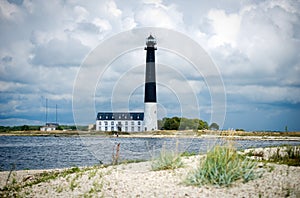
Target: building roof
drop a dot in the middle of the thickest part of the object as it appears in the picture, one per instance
(48, 124)
(120, 116)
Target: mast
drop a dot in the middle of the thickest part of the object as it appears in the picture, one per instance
(46, 110)
(56, 113)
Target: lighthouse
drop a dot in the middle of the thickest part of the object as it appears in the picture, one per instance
(150, 106)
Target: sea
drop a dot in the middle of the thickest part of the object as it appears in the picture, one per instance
(49, 152)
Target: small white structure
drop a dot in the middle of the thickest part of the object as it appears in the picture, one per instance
(49, 127)
(120, 121)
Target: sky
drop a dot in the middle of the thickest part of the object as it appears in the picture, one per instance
(253, 45)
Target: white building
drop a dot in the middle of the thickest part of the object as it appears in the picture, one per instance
(49, 127)
(120, 121)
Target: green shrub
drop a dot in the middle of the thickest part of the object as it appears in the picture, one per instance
(167, 160)
(222, 166)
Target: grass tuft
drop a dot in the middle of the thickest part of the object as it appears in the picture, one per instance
(222, 166)
(167, 160)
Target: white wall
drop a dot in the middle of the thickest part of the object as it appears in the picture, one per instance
(126, 125)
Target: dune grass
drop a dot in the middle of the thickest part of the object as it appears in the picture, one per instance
(222, 166)
(167, 160)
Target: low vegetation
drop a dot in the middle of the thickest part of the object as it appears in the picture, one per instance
(287, 154)
(222, 166)
(13, 188)
(28, 128)
(290, 157)
(187, 154)
(176, 123)
(167, 160)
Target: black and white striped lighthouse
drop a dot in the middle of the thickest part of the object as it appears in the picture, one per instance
(150, 108)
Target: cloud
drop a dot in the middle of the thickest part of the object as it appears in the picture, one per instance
(113, 9)
(225, 28)
(267, 94)
(9, 11)
(254, 48)
(59, 53)
(158, 15)
(254, 44)
(7, 59)
(128, 23)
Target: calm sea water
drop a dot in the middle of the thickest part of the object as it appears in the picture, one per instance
(27, 152)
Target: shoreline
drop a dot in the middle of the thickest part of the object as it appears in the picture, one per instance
(164, 134)
(138, 180)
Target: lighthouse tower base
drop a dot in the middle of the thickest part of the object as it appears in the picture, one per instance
(150, 116)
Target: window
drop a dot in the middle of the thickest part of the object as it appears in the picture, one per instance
(126, 128)
(139, 128)
(112, 128)
(139, 122)
(126, 123)
(132, 128)
(119, 123)
(106, 123)
(100, 123)
(132, 122)
(105, 128)
(112, 122)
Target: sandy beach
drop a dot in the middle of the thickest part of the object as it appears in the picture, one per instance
(138, 180)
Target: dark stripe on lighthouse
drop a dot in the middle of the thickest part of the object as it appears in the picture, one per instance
(150, 82)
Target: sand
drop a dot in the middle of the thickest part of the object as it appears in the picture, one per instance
(138, 180)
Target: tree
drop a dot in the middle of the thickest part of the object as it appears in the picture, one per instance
(202, 125)
(160, 124)
(214, 126)
(60, 128)
(177, 123)
(171, 123)
(25, 128)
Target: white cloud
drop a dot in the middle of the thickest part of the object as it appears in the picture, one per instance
(9, 11)
(81, 14)
(225, 28)
(159, 16)
(103, 24)
(113, 9)
(128, 23)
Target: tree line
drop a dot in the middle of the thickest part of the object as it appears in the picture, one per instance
(176, 123)
(37, 128)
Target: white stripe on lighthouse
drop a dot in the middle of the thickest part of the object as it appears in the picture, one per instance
(150, 116)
